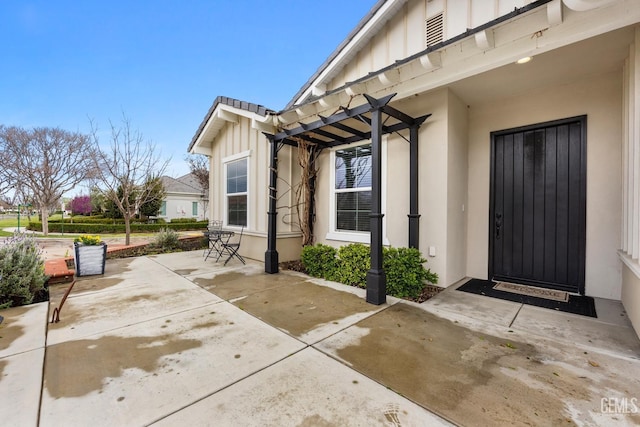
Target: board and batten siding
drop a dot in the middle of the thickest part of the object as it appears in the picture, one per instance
(241, 138)
(406, 33)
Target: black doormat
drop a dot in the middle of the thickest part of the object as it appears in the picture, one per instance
(577, 304)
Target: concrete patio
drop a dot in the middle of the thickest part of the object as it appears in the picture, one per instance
(173, 340)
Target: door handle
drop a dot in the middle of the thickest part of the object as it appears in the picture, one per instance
(498, 224)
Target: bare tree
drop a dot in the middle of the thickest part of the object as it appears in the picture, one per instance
(127, 169)
(5, 175)
(199, 166)
(48, 162)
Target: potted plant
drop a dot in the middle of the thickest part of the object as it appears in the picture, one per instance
(90, 255)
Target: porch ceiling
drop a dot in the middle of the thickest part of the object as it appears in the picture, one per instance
(591, 57)
(349, 125)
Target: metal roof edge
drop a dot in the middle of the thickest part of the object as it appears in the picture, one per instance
(232, 102)
(337, 51)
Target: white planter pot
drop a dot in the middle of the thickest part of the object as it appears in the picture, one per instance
(90, 259)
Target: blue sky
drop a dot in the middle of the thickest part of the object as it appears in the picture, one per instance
(160, 62)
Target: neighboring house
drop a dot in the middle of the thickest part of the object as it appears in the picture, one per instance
(184, 198)
(501, 141)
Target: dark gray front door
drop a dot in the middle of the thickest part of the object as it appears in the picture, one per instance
(538, 205)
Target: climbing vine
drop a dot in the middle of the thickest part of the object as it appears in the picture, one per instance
(308, 153)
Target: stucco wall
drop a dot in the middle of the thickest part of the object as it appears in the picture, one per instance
(442, 185)
(180, 206)
(600, 98)
(457, 189)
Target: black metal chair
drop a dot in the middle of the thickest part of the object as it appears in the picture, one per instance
(214, 235)
(232, 248)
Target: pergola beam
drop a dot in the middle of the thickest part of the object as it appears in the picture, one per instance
(370, 114)
(354, 131)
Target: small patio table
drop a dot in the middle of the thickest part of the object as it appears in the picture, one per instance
(216, 239)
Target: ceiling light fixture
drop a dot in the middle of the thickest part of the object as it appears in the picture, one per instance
(523, 60)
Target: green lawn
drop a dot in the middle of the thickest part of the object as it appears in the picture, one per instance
(13, 222)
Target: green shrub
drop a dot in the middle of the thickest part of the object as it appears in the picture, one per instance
(319, 260)
(167, 239)
(404, 267)
(99, 228)
(405, 272)
(354, 261)
(22, 275)
(182, 220)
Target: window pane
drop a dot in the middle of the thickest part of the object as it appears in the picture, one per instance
(363, 172)
(241, 184)
(232, 170)
(364, 221)
(346, 201)
(194, 208)
(353, 167)
(237, 176)
(340, 170)
(231, 185)
(241, 167)
(237, 213)
(364, 200)
(346, 220)
(352, 211)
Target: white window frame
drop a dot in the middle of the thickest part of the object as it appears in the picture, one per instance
(225, 161)
(355, 236)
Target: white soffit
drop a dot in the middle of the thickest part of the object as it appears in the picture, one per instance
(221, 116)
(526, 35)
(584, 5)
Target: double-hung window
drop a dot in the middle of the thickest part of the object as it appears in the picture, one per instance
(236, 191)
(352, 189)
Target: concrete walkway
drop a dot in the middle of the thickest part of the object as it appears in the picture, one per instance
(173, 340)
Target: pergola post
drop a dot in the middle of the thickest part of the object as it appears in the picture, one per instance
(335, 130)
(271, 255)
(376, 279)
(414, 216)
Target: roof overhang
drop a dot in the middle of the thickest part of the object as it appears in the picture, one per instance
(224, 111)
(538, 28)
(366, 29)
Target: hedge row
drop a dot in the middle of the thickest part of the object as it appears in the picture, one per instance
(404, 267)
(115, 228)
(79, 219)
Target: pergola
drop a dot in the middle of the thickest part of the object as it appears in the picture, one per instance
(369, 121)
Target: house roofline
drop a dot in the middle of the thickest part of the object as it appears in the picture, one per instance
(249, 107)
(350, 37)
(374, 74)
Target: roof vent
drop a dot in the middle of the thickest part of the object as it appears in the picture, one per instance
(435, 29)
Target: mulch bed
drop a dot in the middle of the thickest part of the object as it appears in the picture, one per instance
(428, 292)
